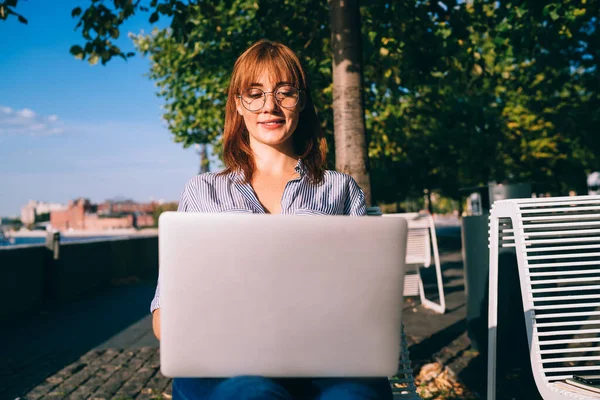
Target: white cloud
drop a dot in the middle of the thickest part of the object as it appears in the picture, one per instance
(28, 122)
(37, 127)
(26, 113)
(55, 131)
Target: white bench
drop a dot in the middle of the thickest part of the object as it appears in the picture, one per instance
(557, 244)
(421, 244)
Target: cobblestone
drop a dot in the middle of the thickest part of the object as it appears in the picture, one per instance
(115, 374)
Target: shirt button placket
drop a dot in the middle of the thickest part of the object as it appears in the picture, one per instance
(286, 198)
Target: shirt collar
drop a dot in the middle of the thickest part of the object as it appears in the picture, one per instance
(300, 168)
(239, 176)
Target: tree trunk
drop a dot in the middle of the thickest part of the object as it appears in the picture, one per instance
(429, 205)
(351, 155)
(204, 161)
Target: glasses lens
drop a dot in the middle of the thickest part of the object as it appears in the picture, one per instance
(253, 99)
(287, 96)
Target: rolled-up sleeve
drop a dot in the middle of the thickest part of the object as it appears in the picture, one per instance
(355, 202)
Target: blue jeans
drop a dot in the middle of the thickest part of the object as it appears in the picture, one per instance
(259, 388)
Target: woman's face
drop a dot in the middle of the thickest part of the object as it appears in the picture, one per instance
(272, 124)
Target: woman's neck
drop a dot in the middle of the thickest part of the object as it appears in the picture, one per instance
(274, 161)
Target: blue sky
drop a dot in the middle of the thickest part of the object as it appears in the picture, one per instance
(69, 129)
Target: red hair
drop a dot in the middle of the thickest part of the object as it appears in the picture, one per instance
(308, 139)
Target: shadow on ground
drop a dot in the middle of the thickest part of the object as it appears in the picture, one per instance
(38, 345)
(514, 380)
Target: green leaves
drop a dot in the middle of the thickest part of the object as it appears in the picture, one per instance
(153, 17)
(99, 26)
(7, 9)
(448, 104)
(77, 51)
(453, 97)
(551, 10)
(93, 59)
(472, 113)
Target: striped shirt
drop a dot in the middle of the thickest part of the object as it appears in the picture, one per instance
(337, 194)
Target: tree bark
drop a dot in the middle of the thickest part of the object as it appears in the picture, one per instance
(429, 205)
(204, 161)
(351, 156)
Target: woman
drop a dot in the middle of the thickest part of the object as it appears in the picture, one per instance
(274, 153)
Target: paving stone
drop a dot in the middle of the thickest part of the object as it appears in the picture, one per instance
(458, 364)
(156, 388)
(453, 350)
(119, 373)
(50, 385)
(133, 386)
(94, 361)
(93, 376)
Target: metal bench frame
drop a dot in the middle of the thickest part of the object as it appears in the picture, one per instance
(557, 244)
(422, 242)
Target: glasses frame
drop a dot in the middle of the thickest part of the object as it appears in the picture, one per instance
(272, 93)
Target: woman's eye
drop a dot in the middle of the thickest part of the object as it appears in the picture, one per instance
(287, 92)
(254, 94)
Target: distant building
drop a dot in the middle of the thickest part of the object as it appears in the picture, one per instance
(125, 206)
(35, 208)
(84, 216)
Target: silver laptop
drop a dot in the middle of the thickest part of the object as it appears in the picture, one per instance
(280, 296)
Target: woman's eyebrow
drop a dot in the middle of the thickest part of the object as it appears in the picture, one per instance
(261, 85)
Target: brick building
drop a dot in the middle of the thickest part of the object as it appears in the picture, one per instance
(33, 209)
(82, 215)
(110, 207)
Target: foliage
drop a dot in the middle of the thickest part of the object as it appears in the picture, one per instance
(162, 208)
(7, 8)
(12, 222)
(487, 91)
(43, 217)
(457, 93)
(455, 96)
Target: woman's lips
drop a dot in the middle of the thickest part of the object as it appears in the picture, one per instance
(273, 124)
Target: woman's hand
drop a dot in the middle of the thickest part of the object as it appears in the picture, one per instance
(156, 323)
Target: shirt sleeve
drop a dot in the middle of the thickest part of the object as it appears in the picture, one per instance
(182, 207)
(355, 202)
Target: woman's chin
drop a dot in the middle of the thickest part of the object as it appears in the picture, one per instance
(273, 137)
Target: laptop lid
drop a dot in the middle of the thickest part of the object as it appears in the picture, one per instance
(280, 296)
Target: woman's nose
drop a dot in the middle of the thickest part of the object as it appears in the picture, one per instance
(270, 102)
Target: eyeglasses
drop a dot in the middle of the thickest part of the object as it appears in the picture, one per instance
(286, 96)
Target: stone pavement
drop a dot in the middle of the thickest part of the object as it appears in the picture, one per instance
(107, 374)
(102, 347)
(41, 351)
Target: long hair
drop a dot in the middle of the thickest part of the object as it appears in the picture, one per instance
(283, 65)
